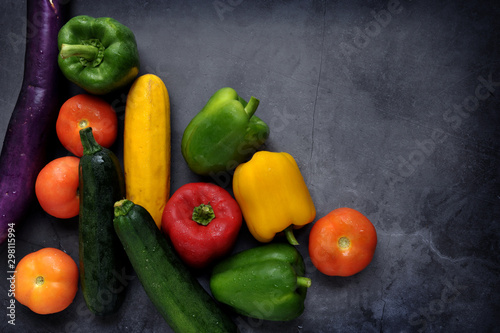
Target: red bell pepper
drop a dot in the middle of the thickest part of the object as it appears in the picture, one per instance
(202, 221)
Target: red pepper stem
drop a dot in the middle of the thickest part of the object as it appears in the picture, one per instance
(290, 237)
(303, 281)
(203, 214)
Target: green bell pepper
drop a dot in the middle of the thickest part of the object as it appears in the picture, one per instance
(264, 282)
(98, 54)
(223, 134)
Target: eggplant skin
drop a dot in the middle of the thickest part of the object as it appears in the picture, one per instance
(33, 118)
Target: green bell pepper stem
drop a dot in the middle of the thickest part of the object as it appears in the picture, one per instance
(251, 106)
(290, 237)
(303, 281)
(203, 214)
(88, 52)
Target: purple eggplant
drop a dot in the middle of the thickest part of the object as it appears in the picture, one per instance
(34, 115)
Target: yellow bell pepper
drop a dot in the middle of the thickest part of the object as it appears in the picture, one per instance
(272, 195)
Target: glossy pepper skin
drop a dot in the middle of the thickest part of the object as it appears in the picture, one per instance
(223, 134)
(202, 221)
(98, 54)
(272, 195)
(265, 282)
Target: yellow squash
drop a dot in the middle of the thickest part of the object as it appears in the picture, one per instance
(272, 195)
(146, 145)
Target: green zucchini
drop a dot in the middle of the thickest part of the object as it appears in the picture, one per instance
(101, 254)
(184, 304)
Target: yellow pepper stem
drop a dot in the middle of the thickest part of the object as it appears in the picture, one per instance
(290, 237)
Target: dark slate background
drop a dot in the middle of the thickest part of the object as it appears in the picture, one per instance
(390, 108)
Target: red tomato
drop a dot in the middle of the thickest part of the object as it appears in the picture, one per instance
(342, 243)
(56, 187)
(83, 111)
(46, 281)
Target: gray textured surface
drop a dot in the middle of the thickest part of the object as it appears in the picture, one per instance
(380, 116)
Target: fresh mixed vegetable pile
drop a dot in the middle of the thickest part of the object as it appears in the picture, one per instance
(128, 216)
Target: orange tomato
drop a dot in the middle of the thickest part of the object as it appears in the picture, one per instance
(342, 243)
(56, 187)
(83, 111)
(46, 281)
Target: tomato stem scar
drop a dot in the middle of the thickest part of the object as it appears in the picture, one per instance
(39, 280)
(83, 123)
(344, 242)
